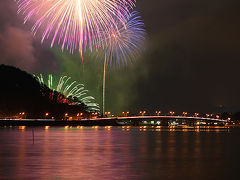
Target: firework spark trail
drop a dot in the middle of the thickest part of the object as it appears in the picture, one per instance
(69, 89)
(74, 24)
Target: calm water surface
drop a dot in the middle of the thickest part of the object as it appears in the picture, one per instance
(119, 153)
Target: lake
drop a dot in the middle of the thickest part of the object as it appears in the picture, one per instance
(119, 153)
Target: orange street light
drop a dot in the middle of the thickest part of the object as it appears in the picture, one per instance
(125, 113)
(172, 113)
(107, 113)
(158, 112)
(142, 113)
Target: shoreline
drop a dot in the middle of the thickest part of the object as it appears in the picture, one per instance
(59, 123)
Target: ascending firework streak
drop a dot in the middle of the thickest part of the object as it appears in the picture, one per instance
(70, 89)
(74, 24)
(123, 43)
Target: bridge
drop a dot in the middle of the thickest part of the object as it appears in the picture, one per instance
(163, 120)
(130, 120)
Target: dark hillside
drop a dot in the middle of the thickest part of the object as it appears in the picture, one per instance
(21, 92)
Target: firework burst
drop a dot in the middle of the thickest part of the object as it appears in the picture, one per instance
(69, 91)
(124, 42)
(73, 24)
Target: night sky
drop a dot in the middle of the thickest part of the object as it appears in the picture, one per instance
(191, 61)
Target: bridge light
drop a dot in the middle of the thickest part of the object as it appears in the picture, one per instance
(79, 114)
(125, 113)
(142, 113)
(46, 114)
(107, 113)
(158, 112)
(171, 113)
(66, 114)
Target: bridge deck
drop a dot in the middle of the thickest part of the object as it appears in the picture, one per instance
(158, 117)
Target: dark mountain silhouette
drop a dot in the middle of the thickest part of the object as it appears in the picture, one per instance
(21, 92)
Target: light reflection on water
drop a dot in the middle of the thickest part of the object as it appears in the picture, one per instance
(118, 153)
